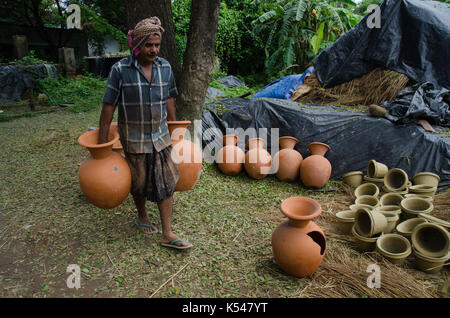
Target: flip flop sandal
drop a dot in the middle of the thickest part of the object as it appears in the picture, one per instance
(149, 226)
(175, 246)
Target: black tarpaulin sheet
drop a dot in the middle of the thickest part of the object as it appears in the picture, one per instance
(413, 39)
(354, 137)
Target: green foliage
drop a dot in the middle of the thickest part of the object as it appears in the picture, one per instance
(296, 31)
(85, 93)
(29, 59)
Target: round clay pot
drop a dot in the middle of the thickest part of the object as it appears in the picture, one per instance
(315, 170)
(367, 199)
(298, 244)
(431, 240)
(353, 179)
(355, 207)
(345, 219)
(230, 159)
(394, 247)
(396, 180)
(186, 154)
(389, 208)
(392, 220)
(428, 264)
(391, 199)
(412, 207)
(288, 160)
(427, 178)
(365, 244)
(104, 176)
(368, 223)
(406, 228)
(257, 159)
(423, 189)
(376, 169)
(379, 182)
(369, 189)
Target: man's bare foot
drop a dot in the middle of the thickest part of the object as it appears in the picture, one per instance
(145, 226)
(173, 241)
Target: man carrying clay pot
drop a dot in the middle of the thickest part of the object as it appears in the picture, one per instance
(143, 86)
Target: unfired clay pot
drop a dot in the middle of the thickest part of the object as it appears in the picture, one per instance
(353, 178)
(368, 223)
(427, 178)
(394, 247)
(288, 160)
(315, 170)
(431, 240)
(257, 159)
(376, 169)
(396, 180)
(104, 176)
(186, 154)
(299, 245)
(230, 158)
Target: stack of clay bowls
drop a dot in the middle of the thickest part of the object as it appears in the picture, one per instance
(431, 244)
(369, 226)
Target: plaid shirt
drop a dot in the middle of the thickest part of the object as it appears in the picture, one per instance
(142, 120)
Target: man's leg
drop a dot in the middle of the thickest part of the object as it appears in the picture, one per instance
(165, 210)
(142, 214)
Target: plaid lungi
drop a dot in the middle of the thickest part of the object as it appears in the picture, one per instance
(154, 175)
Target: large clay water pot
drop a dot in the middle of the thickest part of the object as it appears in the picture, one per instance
(104, 176)
(298, 244)
(230, 158)
(257, 159)
(186, 154)
(288, 160)
(315, 170)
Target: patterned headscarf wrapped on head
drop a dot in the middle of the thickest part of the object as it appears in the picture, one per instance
(141, 32)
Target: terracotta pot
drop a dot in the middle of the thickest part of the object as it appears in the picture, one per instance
(353, 179)
(257, 159)
(429, 264)
(186, 154)
(104, 176)
(345, 219)
(230, 159)
(391, 199)
(431, 240)
(367, 189)
(117, 147)
(367, 199)
(427, 178)
(376, 169)
(298, 244)
(406, 228)
(412, 207)
(394, 247)
(365, 244)
(315, 170)
(396, 180)
(369, 223)
(288, 160)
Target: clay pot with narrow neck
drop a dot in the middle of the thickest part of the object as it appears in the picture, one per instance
(315, 170)
(104, 176)
(186, 154)
(230, 158)
(287, 160)
(257, 159)
(298, 244)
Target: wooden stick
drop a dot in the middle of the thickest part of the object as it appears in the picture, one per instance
(168, 280)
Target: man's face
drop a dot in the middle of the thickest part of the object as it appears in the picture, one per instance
(150, 50)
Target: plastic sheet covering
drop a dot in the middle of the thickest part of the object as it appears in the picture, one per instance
(413, 39)
(213, 93)
(420, 101)
(230, 81)
(15, 79)
(355, 138)
(284, 87)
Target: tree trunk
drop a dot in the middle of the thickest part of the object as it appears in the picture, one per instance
(136, 10)
(198, 59)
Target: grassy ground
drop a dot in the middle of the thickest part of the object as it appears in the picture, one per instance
(46, 224)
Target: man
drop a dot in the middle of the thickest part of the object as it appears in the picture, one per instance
(144, 87)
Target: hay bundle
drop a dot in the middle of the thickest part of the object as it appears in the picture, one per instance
(373, 88)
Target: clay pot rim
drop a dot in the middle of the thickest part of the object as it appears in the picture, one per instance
(432, 225)
(429, 258)
(371, 215)
(390, 208)
(348, 174)
(399, 227)
(82, 142)
(365, 185)
(403, 254)
(319, 143)
(179, 122)
(256, 138)
(433, 219)
(422, 188)
(426, 173)
(345, 219)
(373, 180)
(410, 211)
(293, 216)
(374, 163)
(398, 195)
(289, 137)
(386, 177)
(392, 216)
(370, 207)
(368, 197)
(372, 239)
(236, 138)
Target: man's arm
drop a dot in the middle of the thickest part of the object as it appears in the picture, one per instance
(105, 122)
(171, 109)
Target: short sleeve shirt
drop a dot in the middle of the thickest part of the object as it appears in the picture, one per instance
(142, 118)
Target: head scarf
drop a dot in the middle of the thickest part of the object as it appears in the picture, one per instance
(142, 32)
